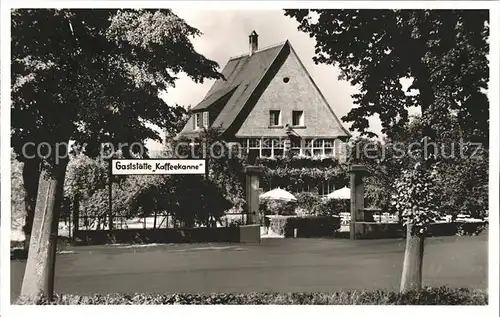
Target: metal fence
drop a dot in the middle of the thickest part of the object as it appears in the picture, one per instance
(90, 222)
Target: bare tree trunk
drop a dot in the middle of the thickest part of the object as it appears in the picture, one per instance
(76, 215)
(38, 282)
(31, 177)
(411, 278)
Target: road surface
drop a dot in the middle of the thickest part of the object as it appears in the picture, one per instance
(278, 265)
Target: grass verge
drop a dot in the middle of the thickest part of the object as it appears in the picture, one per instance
(427, 296)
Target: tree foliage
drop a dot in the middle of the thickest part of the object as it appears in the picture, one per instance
(300, 173)
(190, 199)
(444, 52)
(92, 76)
(180, 118)
(85, 177)
(82, 74)
(225, 162)
(415, 199)
(460, 181)
(17, 192)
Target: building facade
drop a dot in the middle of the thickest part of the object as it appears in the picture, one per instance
(269, 104)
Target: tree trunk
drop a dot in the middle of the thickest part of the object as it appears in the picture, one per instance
(76, 215)
(38, 282)
(411, 278)
(31, 177)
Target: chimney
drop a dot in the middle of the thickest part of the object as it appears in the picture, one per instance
(253, 40)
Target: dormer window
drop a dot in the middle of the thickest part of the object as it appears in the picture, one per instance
(205, 119)
(197, 121)
(200, 120)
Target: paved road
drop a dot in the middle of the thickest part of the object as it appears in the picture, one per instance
(283, 265)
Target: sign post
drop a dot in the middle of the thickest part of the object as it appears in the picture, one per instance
(110, 190)
(152, 167)
(158, 167)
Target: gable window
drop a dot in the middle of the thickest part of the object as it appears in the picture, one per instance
(298, 118)
(274, 118)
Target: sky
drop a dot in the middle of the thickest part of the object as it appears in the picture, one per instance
(225, 34)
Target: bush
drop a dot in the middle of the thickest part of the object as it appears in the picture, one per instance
(235, 222)
(332, 207)
(457, 228)
(265, 221)
(279, 225)
(427, 296)
(277, 207)
(263, 210)
(309, 226)
(308, 202)
(471, 229)
(314, 226)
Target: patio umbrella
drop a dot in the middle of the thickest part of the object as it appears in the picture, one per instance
(278, 194)
(343, 193)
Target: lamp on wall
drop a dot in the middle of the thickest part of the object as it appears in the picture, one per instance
(290, 131)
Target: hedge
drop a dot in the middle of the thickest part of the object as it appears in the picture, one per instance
(276, 207)
(427, 296)
(159, 235)
(456, 228)
(326, 226)
(307, 226)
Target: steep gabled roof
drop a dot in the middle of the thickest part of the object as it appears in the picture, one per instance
(214, 97)
(242, 75)
(347, 133)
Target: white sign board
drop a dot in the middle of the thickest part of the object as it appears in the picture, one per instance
(158, 167)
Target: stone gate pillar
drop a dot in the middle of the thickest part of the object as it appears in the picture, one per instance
(357, 196)
(252, 194)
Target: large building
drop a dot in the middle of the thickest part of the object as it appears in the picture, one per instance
(268, 103)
